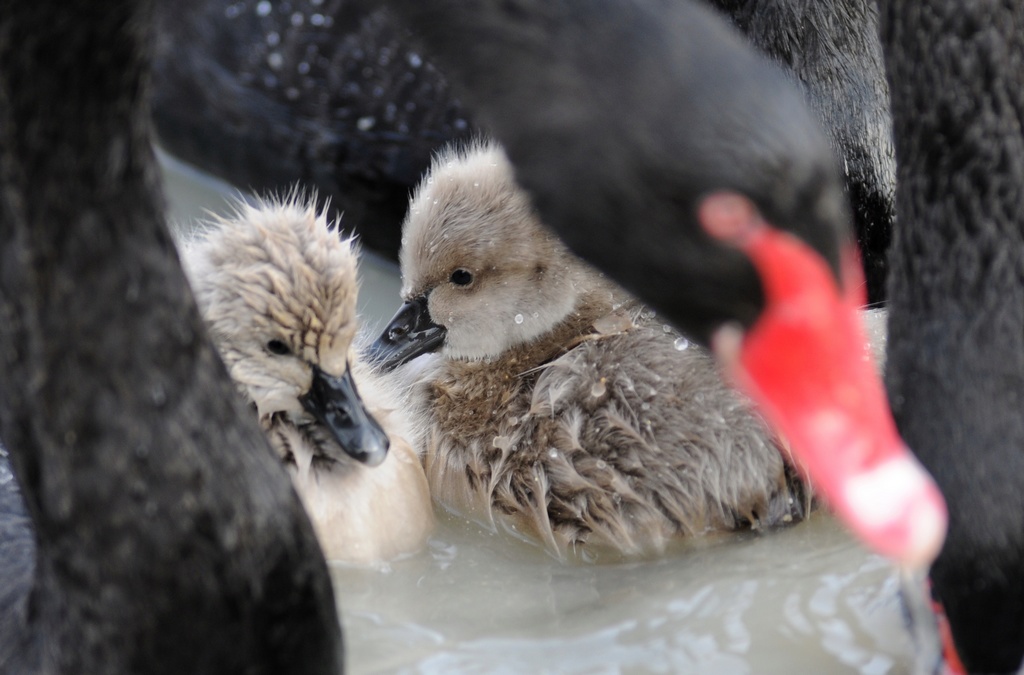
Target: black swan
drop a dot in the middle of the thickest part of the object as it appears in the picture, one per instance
(335, 93)
(956, 326)
(167, 537)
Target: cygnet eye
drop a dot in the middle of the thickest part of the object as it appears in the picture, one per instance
(462, 277)
(278, 347)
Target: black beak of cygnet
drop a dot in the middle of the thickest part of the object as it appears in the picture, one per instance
(410, 334)
(335, 402)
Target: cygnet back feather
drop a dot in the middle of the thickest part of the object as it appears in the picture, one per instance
(560, 408)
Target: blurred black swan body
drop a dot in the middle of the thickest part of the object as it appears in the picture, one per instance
(325, 92)
(166, 537)
(833, 48)
(336, 94)
(956, 326)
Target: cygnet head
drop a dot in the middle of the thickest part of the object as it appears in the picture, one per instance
(277, 287)
(480, 273)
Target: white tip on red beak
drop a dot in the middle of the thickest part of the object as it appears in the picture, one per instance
(896, 506)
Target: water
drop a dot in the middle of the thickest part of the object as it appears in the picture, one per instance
(802, 600)
(805, 600)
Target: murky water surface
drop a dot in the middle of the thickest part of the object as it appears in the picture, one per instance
(804, 600)
(801, 600)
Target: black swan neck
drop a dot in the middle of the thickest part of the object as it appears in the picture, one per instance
(168, 540)
(955, 366)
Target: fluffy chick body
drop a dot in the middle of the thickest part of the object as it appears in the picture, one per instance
(559, 407)
(278, 288)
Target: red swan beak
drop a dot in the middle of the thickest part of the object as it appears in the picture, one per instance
(950, 658)
(807, 366)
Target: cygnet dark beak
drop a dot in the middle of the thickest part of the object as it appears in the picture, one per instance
(410, 334)
(335, 402)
